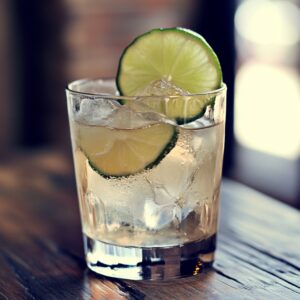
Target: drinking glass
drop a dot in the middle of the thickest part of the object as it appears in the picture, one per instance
(148, 173)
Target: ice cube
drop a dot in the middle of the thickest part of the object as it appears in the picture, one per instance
(211, 140)
(173, 174)
(160, 98)
(123, 198)
(162, 87)
(162, 196)
(202, 184)
(156, 216)
(150, 113)
(125, 117)
(199, 123)
(96, 111)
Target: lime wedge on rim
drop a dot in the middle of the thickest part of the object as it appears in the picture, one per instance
(177, 55)
(122, 152)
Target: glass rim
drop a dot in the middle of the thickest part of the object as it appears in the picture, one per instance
(119, 97)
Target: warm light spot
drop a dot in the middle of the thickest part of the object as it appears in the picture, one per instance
(267, 22)
(198, 267)
(267, 109)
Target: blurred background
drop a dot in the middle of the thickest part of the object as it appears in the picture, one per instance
(46, 44)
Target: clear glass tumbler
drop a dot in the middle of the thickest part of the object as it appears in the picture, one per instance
(148, 172)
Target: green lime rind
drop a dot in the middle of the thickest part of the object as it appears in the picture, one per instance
(169, 146)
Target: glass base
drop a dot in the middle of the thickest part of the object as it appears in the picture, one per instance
(146, 263)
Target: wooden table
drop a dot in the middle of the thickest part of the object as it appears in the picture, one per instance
(41, 256)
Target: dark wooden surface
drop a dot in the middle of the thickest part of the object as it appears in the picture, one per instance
(41, 256)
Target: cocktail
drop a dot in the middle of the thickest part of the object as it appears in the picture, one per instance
(148, 151)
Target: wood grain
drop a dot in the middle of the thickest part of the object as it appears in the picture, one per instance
(41, 253)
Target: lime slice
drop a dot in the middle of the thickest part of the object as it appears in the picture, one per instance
(122, 152)
(178, 56)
